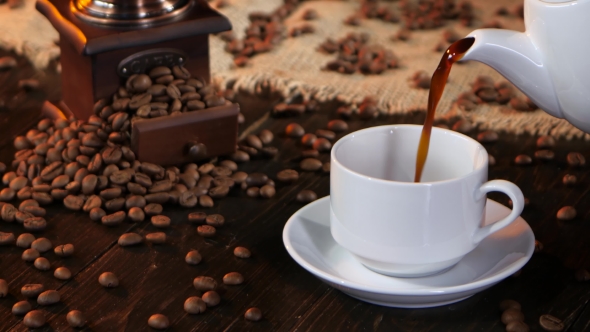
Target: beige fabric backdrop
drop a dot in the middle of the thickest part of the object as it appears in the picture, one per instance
(294, 67)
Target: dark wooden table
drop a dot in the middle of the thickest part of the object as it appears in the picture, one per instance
(155, 279)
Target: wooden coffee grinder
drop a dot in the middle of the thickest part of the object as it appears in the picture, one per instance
(103, 42)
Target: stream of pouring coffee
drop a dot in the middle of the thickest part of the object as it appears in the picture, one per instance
(437, 85)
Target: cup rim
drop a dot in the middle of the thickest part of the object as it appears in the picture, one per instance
(342, 141)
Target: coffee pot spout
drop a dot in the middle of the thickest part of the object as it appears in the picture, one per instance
(515, 57)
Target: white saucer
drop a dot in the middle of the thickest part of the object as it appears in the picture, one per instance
(308, 240)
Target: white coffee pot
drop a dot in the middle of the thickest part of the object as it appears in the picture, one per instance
(549, 62)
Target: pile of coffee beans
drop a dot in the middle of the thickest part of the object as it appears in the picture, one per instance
(355, 54)
(432, 14)
(484, 90)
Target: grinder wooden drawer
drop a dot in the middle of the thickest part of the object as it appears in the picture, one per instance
(167, 140)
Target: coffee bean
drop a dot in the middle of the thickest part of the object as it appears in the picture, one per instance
(153, 209)
(487, 136)
(233, 278)
(129, 239)
(242, 252)
(21, 308)
(211, 298)
(42, 264)
(308, 139)
(32, 290)
(294, 130)
(112, 155)
(160, 221)
(219, 191)
(108, 280)
(253, 314)
(582, 275)
(203, 283)
(266, 136)
(306, 196)
(215, 220)
(41, 245)
(96, 214)
(253, 192)
(158, 198)
(6, 238)
(115, 204)
(7, 62)
(523, 159)
(158, 322)
(136, 214)
(74, 203)
(544, 154)
(545, 142)
(18, 183)
(510, 315)
(34, 319)
(256, 179)
(288, 175)
(194, 305)
(551, 323)
(62, 273)
(193, 257)
(576, 159)
(188, 199)
(24, 240)
(569, 180)
(35, 224)
(566, 213)
(240, 156)
(327, 134)
(517, 326)
(159, 72)
(337, 125)
(206, 231)
(30, 255)
(42, 197)
(156, 238)
(76, 319)
(254, 141)
(161, 186)
(8, 212)
(322, 145)
(48, 297)
(3, 288)
(113, 219)
(51, 171)
(120, 177)
(267, 191)
(509, 304)
(64, 250)
(310, 164)
(7, 195)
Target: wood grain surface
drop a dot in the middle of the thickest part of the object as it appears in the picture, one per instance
(155, 279)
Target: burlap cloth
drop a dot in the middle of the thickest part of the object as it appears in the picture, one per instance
(294, 67)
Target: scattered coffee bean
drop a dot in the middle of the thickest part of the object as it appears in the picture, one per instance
(48, 297)
(306, 196)
(194, 305)
(205, 201)
(7, 62)
(193, 257)
(265, 135)
(487, 136)
(158, 322)
(76, 319)
(545, 142)
(517, 326)
(41, 245)
(113, 219)
(21, 308)
(35, 224)
(256, 179)
(153, 209)
(32, 290)
(267, 191)
(288, 175)
(206, 231)
(197, 217)
(322, 145)
(576, 159)
(203, 283)
(582, 275)
(62, 273)
(510, 315)
(8, 212)
(544, 154)
(215, 220)
(551, 323)
(211, 298)
(523, 159)
(24, 240)
(161, 221)
(310, 164)
(156, 238)
(30, 255)
(566, 213)
(74, 203)
(294, 130)
(6, 238)
(130, 239)
(569, 179)
(253, 192)
(108, 280)
(233, 278)
(509, 304)
(97, 214)
(253, 314)
(34, 319)
(136, 214)
(42, 264)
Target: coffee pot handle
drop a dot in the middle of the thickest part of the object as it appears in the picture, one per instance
(515, 195)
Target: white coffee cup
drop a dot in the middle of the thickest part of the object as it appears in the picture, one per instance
(397, 227)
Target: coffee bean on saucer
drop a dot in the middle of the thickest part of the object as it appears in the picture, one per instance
(545, 142)
(34, 319)
(242, 252)
(582, 275)
(310, 164)
(288, 175)
(566, 213)
(62, 273)
(510, 315)
(233, 278)
(30, 255)
(21, 308)
(48, 297)
(523, 159)
(108, 280)
(32, 290)
(211, 298)
(544, 154)
(294, 130)
(509, 304)
(193, 257)
(551, 323)
(487, 136)
(158, 322)
(25, 240)
(253, 314)
(76, 319)
(576, 159)
(306, 196)
(517, 326)
(206, 231)
(195, 305)
(130, 239)
(203, 283)
(42, 264)
(569, 179)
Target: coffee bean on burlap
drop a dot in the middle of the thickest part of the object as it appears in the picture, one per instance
(306, 196)
(24, 240)
(129, 239)
(193, 257)
(64, 250)
(21, 308)
(76, 319)
(34, 319)
(194, 305)
(108, 280)
(48, 297)
(211, 298)
(545, 142)
(253, 314)
(566, 213)
(206, 231)
(233, 278)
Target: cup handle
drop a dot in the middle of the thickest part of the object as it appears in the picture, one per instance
(515, 195)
